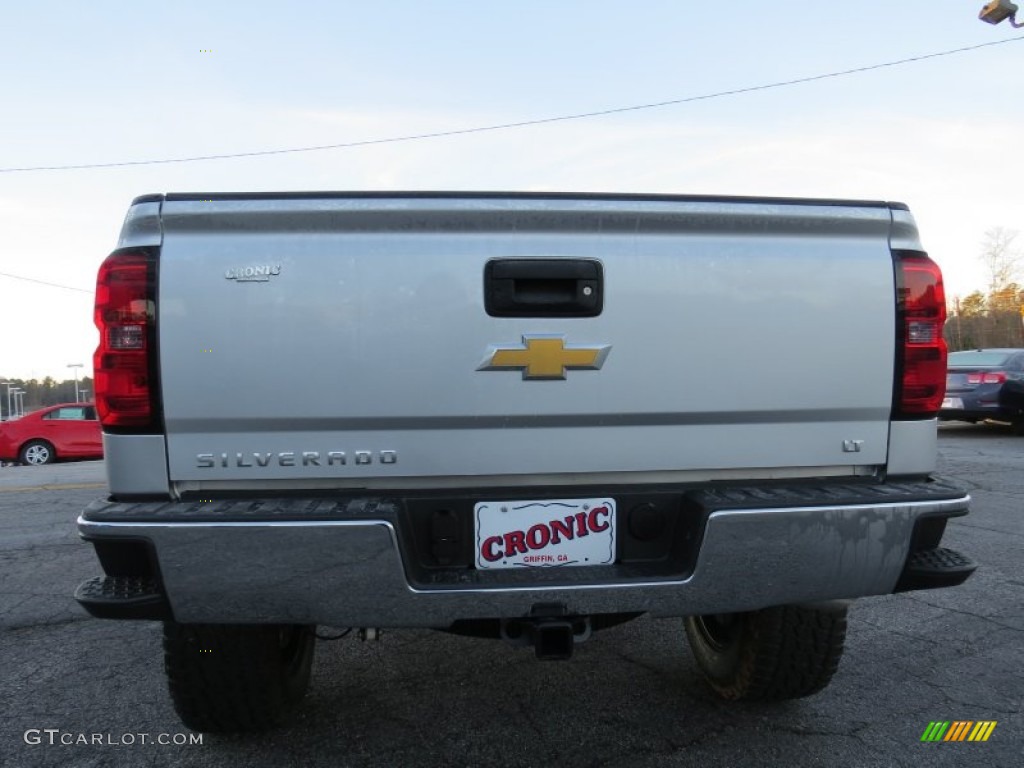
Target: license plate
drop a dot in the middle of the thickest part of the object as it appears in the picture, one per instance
(549, 533)
(953, 403)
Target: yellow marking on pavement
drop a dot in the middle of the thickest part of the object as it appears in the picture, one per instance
(51, 487)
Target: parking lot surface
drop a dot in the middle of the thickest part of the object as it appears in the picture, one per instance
(630, 696)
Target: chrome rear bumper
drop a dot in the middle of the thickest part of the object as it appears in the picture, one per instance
(350, 572)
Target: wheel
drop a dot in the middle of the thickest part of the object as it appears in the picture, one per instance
(36, 452)
(225, 678)
(786, 652)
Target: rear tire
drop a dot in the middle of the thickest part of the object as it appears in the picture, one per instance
(786, 652)
(36, 453)
(228, 678)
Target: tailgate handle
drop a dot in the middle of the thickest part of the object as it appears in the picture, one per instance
(543, 288)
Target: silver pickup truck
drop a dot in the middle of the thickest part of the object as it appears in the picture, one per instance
(518, 416)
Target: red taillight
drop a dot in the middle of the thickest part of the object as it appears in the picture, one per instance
(986, 378)
(922, 352)
(122, 363)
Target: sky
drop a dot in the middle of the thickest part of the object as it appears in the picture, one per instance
(108, 82)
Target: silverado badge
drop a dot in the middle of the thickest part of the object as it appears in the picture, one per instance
(544, 357)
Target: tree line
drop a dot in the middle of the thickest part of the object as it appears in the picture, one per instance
(49, 391)
(979, 320)
(992, 318)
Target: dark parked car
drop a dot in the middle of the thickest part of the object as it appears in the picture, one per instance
(985, 384)
(67, 431)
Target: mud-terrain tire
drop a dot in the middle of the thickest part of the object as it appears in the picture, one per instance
(786, 652)
(36, 453)
(228, 678)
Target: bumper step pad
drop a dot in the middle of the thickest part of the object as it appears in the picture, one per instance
(935, 568)
(123, 597)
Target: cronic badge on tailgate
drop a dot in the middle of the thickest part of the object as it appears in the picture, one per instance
(544, 356)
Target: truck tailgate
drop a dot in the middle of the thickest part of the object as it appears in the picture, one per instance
(345, 340)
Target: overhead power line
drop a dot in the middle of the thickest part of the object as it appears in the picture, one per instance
(521, 123)
(43, 282)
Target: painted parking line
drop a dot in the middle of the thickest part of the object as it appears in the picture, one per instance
(52, 487)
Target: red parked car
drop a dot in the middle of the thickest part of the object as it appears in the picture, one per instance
(67, 431)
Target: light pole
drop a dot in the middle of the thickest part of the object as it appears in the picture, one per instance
(76, 366)
(11, 391)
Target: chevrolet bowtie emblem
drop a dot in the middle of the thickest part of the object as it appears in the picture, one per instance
(544, 357)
